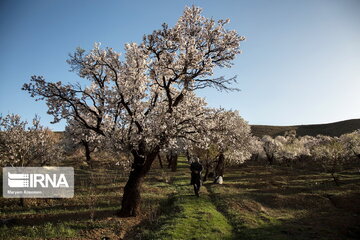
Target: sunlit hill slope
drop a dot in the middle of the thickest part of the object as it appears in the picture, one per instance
(330, 129)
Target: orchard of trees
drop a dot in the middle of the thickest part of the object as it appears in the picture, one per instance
(329, 153)
(145, 104)
(22, 145)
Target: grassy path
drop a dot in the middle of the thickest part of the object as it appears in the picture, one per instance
(188, 216)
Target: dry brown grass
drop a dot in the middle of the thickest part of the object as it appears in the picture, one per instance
(281, 203)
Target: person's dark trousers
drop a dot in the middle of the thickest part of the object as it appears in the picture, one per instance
(197, 189)
(196, 181)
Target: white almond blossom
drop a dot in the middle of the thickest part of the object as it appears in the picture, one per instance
(145, 101)
(331, 153)
(229, 138)
(352, 142)
(22, 145)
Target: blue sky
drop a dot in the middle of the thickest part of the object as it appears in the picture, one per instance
(300, 62)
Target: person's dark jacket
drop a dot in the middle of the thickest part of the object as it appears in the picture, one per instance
(196, 169)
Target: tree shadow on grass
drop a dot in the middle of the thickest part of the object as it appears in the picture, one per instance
(313, 226)
(40, 219)
(152, 224)
(270, 216)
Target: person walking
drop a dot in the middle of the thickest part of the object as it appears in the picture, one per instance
(196, 169)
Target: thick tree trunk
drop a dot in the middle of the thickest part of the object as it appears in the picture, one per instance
(87, 154)
(219, 169)
(160, 161)
(174, 160)
(336, 179)
(168, 158)
(206, 174)
(130, 206)
(188, 157)
(270, 158)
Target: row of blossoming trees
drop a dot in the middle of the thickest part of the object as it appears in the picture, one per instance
(229, 143)
(25, 145)
(330, 153)
(146, 102)
(234, 145)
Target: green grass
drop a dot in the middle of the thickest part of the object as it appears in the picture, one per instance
(63, 218)
(275, 203)
(187, 216)
(255, 202)
(48, 230)
(193, 219)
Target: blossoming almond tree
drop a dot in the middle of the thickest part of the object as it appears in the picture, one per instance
(287, 148)
(291, 147)
(331, 153)
(22, 146)
(256, 148)
(271, 147)
(232, 137)
(352, 142)
(229, 142)
(76, 135)
(207, 157)
(146, 101)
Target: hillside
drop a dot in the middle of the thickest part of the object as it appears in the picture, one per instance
(330, 129)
